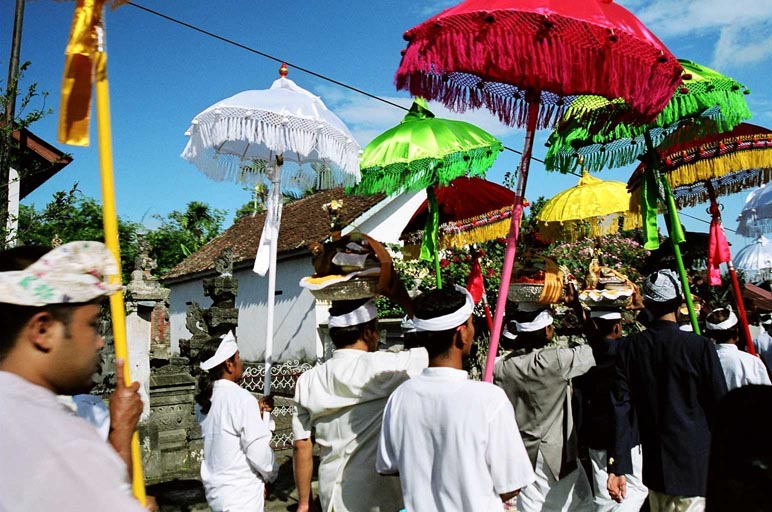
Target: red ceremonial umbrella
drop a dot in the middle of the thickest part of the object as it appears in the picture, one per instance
(719, 164)
(525, 60)
(471, 210)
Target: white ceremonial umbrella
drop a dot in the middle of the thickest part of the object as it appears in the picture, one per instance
(755, 260)
(248, 138)
(756, 216)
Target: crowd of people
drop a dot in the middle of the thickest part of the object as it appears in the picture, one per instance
(405, 430)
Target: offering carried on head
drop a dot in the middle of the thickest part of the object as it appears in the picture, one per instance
(536, 279)
(354, 266)
(605, 287)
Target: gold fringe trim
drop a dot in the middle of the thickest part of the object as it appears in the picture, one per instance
(475, 235)
(571, 231)
(703, 170)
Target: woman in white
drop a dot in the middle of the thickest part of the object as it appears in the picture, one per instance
(238, 459)
(740, 368)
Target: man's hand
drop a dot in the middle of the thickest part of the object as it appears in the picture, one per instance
(617, 487)
(266, 403)
(151, 505)
(125, 409)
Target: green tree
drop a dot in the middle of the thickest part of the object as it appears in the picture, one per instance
(71, 216)
(184, 232)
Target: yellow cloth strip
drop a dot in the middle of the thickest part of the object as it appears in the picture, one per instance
(553, 283)
(77, 82)
(705, 169)
(475, 235)
(110, 219)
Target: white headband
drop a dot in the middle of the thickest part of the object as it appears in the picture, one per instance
(606, 315)
(541, 321)
(686, 327)
(71, 273)
(407, 324)
(723, 326)
(227, 348)
(360, 315)
(451, 320)
(509, 334)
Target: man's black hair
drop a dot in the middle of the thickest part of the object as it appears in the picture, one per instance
(433, 304)
(603, 327)
(346, 336)
(206, 379)
(721, 335)
(14, 317)
(533, 339)
(660, 309)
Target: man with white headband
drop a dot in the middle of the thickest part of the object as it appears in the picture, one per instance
(454, 442)
(537, 380)
(238, 459)
(343, 400)
(671, 382)
(604, 328)
(50, 305)
(740, 368)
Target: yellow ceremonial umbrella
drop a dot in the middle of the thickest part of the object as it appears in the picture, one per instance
(86, 59)
(592, 208)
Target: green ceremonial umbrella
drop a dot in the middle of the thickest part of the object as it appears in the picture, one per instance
(423, 151)
(707, 102)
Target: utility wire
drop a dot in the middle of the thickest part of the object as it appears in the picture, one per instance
(292, 65)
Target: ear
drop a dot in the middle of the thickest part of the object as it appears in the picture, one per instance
(39, 331)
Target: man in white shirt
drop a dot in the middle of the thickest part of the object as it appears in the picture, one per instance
(238, 458)
(50, 304)
(740, 368)
(454, 442)
(343, 400)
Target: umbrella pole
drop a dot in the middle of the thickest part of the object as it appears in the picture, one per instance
(673, 224)
(110, 221)
(434, 215)
(716, 213)
(271, 298)
(514, 232)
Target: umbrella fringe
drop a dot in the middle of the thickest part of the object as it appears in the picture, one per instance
(692, 195)
(571, 231)
(521, 45)
(715, 167)
(475, 235)
(303, 136)
(427, 172)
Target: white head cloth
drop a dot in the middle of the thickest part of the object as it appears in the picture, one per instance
(508, 334)
(407, 324)
(360, 315)
(730, 322)
(451, 320)
(606, 315)
(662, 286)
(71, 273)
(686, 327)
(227, 348)
(541, 321)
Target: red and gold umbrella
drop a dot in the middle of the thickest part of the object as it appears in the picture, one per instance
(525, 60)
(703, 169)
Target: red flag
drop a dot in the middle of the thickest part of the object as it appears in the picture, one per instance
(718, 251)
(475, 283)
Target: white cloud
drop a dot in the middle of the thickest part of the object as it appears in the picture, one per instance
(367, 118)
(742, 28)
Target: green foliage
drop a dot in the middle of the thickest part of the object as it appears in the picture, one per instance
(71, 216)
(183, 233)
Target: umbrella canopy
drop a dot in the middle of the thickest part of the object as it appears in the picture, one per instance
(248, 138)
(471, 210)
(592, 208)
(226, 139)
(755, 260)
(495, 53)
(707, 102)
(423, 151)
(756, 216)
(727, 162)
